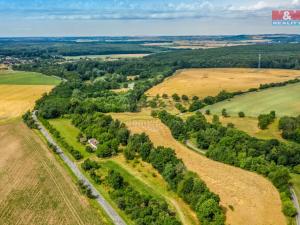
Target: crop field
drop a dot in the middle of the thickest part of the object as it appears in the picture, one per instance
(16, 99)
(26, 78)
(284, 100)
(34, 187)
(252, 198)
(209, 82)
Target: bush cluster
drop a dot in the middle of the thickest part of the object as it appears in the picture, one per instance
(142, 209)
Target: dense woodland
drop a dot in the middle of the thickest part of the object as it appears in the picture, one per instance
(56, 49)
(270, 158)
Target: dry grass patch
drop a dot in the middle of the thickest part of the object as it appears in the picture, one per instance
(205, 82)
(254, 199)
(16, 99)
(34, 187)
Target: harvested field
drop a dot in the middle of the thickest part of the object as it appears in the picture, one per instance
(16, 99)
(205, 82)
(253, 198)
(34, 186)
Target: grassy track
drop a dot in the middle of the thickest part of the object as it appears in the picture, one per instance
(284, 100)
(26, 78)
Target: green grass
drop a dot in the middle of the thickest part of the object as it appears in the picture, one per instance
(69, 132)
(27, 78)
(284, 100)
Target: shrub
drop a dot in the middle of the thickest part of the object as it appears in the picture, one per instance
(241, 114)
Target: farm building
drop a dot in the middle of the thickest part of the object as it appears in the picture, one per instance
(93, 143)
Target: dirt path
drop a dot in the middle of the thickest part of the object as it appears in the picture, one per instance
(254, 199)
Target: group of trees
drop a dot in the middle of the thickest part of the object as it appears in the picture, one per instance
(28, 120)
(290, 127)
(61, 140)
(110, 133)
(264, 120)
(270, 158)
(187, 184)
(142, 209)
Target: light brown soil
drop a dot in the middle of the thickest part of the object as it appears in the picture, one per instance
(205, 82)
(34, 187)
(254, 199)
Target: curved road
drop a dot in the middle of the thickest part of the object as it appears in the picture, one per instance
(99, 198)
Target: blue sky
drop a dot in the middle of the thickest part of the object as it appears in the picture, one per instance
(140, 17)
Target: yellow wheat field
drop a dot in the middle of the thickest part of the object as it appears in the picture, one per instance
(17, 99)
(205, 82)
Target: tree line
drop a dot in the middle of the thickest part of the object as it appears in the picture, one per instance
(271, 158)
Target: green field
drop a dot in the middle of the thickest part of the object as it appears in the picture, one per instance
(27, 78)
(284, 100)
(69, 132)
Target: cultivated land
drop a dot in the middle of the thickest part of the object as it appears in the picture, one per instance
(253, 198)
(284, 100)
(16, 99)
(20, 90)
(141, 175)
(209, 82)
(34, 187)
(26, 78)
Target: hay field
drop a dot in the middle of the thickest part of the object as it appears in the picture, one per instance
(34, 187)
(17, 99)
(284, 100)
(254, 199)
(205, 82)
(26, 78)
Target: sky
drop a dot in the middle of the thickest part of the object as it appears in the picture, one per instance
(140, 17)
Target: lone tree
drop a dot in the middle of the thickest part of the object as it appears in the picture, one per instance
(224, 113)
(184, 97)
(241, 114)
(176, 97)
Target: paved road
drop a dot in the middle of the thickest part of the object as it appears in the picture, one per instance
(100, 199)
(296, 204)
